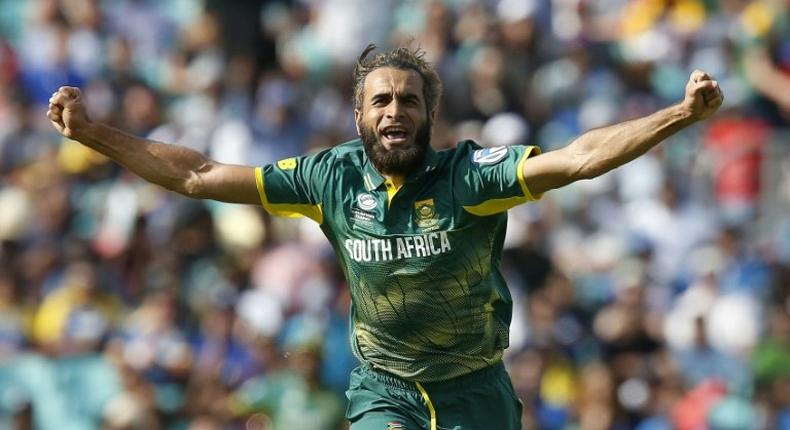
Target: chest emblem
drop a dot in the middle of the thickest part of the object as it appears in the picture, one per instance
(425, 214)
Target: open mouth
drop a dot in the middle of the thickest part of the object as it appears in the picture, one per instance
(394, 134)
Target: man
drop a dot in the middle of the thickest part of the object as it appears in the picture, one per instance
(418, 233)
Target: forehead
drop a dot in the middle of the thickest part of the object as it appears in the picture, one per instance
(388, 80)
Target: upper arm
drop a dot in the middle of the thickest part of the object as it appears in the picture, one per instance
(225, 182)
(552, 170)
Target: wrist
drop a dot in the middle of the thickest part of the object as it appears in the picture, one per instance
(83, 132)
(684, 115)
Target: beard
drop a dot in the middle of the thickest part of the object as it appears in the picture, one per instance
(399, 160)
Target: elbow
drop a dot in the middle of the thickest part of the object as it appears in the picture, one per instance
(189, 189)
(589, 162)
(192, 186)
(196, 183)
(590, 170)
(584, 165)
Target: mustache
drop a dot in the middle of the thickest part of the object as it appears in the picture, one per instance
(397, 160)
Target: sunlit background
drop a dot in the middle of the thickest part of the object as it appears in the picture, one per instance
(655, 297)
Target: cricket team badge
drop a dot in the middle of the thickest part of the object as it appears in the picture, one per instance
(425, 214)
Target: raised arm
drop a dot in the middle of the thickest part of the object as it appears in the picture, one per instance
(173, 167)
(601, 150)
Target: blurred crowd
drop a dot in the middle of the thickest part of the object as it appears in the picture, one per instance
(655, 297)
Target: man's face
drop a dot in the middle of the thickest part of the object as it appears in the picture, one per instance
(393, 121)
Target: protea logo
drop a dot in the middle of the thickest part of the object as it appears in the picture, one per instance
(366, 201)
(425, 213)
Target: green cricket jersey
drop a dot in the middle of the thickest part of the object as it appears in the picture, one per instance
(428, 301)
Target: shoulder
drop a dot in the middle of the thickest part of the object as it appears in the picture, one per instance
(467, 145)
(350, 151)
(461, 151)
(346, 153)
(463, 148)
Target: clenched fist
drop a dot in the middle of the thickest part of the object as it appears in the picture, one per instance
(67, 112)
(703, 95)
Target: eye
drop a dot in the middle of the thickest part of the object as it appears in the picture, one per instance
(380, 101)
(412, 101)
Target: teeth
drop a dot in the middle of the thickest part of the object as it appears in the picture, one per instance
(395, 134)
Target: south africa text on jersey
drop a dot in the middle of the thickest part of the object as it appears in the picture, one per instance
(423, 245)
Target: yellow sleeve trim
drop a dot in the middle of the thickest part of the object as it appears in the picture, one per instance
(495, 206)
(431, 410)
(290, 210)
(531, 151)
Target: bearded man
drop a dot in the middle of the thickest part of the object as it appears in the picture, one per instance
(418, 233)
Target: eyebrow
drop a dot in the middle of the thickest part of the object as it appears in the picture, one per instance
(402, 96)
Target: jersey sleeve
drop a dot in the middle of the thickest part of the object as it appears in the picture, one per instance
(490, 180)
(293, 187)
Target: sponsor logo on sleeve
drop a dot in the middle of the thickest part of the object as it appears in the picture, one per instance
(487, 156)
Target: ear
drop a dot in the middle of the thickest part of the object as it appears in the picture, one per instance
(357, 119)
(432, 114)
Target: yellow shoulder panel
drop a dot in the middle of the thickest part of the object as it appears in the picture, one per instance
(290, 210)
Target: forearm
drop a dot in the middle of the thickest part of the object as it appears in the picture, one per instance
(601, 150)
(171, 166)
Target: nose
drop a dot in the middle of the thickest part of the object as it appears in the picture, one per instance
(394, 110)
